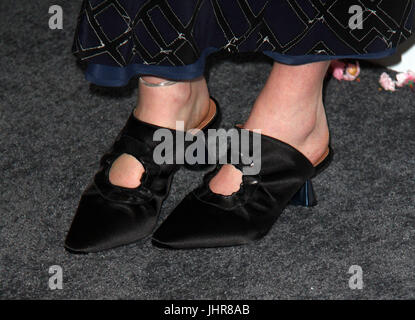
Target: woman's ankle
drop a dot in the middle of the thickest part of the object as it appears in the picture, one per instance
(305, 129)
(185, 101)
(163, 106)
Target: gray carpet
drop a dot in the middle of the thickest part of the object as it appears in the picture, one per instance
(54, 127)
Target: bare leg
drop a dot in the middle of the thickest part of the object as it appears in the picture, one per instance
(289, 108)
(186, 101)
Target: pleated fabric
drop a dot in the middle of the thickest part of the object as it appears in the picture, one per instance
(120, 39)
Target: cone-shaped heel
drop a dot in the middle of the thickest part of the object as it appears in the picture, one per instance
(305, 196)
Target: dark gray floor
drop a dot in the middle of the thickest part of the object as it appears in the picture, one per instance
(54, 127)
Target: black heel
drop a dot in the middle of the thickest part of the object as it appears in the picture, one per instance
(305, 196)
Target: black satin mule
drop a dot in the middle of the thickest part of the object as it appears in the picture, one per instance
(109, 216)
(205, 219)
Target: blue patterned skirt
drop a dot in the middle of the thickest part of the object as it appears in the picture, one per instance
(120, 39)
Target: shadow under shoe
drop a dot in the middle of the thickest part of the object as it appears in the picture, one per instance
(206, 219)
(109, 216)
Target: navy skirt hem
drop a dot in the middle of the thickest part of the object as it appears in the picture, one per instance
(172, 39)
(111, 76)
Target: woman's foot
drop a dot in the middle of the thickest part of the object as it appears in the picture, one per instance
(204, 219)
(109, 216)
(289, 108)
(186, 101)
